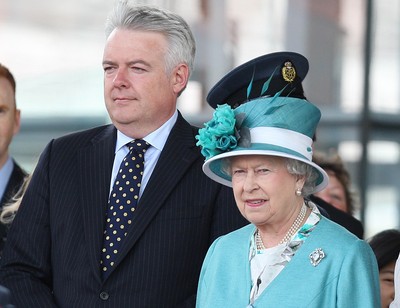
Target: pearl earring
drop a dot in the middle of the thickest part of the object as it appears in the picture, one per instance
(298, 192)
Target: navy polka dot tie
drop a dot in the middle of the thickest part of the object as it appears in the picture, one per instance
(122, 202)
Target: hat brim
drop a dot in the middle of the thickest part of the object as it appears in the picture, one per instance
(213, 167)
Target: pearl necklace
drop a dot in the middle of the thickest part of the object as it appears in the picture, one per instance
(293, 229)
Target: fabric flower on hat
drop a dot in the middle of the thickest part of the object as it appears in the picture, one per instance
(218, 135)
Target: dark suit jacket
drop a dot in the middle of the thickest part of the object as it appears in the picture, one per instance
(14, 183)
(5, 298)
(52, 257)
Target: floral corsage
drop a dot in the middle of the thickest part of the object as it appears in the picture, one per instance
(219, 134)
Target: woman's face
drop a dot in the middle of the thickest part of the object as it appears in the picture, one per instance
(263, 188)
(334, 193)
(386, 280)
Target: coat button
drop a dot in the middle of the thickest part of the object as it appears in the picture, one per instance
(104, 296)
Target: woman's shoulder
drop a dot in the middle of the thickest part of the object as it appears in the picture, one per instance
(246, 230)
(339, 246)
(329, 231)
(239, 236)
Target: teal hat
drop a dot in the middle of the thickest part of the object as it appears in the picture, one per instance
(274, 126)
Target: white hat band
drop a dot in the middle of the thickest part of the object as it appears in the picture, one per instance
(279, 136)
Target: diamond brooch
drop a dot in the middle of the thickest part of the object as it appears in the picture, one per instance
(316, 256)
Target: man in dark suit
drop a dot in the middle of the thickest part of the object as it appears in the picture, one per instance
(53, 255)
(11, 174)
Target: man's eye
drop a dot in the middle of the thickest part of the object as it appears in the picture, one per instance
(138, 69)
(108, 68)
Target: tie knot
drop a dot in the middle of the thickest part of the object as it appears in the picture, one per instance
(139, 145)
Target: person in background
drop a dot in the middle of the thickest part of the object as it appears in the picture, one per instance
(80, 238)
(337, 195)
(289, 255)
(386, 247)
(396, 302)
(11, 174)
(338, 192)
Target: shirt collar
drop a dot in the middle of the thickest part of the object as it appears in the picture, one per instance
(5, 174)
(157, 138)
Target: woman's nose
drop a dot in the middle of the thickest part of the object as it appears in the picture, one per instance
(250, 182)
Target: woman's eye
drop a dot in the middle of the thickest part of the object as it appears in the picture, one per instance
(336, 197)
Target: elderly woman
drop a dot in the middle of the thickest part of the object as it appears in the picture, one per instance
(289, 255)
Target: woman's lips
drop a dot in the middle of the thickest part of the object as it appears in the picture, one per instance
(255, 203)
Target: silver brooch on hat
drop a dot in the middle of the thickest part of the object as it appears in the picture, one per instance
(316, 256)
(288, 72)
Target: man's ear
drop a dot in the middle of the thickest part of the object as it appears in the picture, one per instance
(180, 77)
(17, 121)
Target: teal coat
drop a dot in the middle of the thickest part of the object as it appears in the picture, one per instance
(346, 277)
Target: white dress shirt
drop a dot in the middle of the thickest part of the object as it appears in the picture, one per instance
(5, 174)
(156, 139)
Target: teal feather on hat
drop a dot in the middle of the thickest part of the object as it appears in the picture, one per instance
(282, 112)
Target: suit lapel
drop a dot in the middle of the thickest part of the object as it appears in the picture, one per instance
(95, 165)
(177, 156)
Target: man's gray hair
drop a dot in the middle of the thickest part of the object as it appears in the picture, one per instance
(181, 43)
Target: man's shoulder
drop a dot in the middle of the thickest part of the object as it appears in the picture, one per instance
(65, 147)
(89, 133)
(78, 138)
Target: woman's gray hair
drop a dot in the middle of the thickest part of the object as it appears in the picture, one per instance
(181, 43)
(301, 169)
(295, 167)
